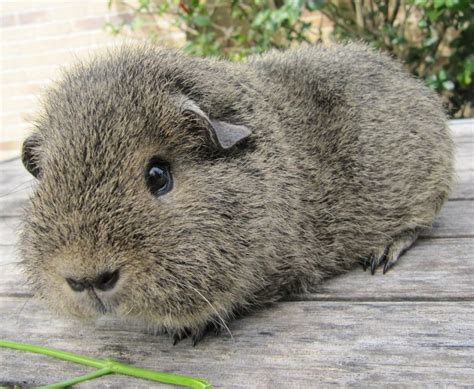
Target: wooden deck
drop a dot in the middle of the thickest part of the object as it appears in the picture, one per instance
(413, 326)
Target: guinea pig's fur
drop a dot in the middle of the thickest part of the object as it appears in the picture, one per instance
(336, 156)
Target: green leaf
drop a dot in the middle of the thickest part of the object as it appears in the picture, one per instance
(399, 40)
(313, 5)
(279, 16)
(433, 15)
(448, 85)
(260, 18)
(137, 23)
(465, 75)
(201, 20)
(430, 41)
(442, 75)
(464, 78)
(430, 60)
(421, 3)
(144, 5)
(433, 82)
(422, 23)
(451, 3)
(295, 4)
(112, 28)
(162, 8)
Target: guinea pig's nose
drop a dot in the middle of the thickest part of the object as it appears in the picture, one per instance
(107, 280)
(75, 285)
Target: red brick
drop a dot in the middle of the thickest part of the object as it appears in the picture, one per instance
(89, 23)
(33, 17)
(19, 90)
(8, 21)
(10, 120)
(9, 146)
(120, 18)
(18, 104)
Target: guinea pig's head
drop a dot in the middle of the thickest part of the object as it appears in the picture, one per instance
(143, 207)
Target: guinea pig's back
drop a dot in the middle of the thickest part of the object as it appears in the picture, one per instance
(366, 129)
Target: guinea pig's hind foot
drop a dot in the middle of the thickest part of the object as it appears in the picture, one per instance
(196, 335)
(178, 336)
(391, 253)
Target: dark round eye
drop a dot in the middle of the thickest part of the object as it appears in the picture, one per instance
(158, 177)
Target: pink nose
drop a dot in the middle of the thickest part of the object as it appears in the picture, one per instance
(105, 281)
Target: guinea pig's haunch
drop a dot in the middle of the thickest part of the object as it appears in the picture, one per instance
(181, 191)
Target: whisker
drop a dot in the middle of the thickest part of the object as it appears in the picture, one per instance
(17, 188)
(209, 303)
(10, 263)
(22, 308)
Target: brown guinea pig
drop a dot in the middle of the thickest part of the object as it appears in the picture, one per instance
(181, 191)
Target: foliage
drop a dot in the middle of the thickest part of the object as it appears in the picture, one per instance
(434, 38)
(232, 28)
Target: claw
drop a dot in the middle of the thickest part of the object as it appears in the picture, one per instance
(196, 336)
(373, 265)
(196, 339)
(387, 266)
(178, 336)
(176, 339)
(211, 327)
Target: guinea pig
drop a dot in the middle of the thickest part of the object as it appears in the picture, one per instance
(181, 191)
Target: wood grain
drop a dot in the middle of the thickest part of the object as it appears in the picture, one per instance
(292, 344)
(432, 270)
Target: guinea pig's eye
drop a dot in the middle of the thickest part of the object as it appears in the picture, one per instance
(158, 177)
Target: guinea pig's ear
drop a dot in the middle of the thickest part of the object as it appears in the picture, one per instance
(224, 135)
(29, 154)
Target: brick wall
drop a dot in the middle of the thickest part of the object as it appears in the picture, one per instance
(38, 37)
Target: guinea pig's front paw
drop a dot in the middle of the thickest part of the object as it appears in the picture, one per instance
(195, 335)
(390, 254)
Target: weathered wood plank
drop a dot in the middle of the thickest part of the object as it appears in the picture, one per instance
(436, 270)
(464, 187)
(456, 219)
(463, 130)
(9, 230)
(12, 281)
(297, 344)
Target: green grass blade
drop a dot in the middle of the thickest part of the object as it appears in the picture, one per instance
(73, 381)
(105, 366)
(64, 355)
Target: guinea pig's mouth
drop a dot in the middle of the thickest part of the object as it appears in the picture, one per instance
(168, 306)
(90, 304)
(98, 304)
(92, 307)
